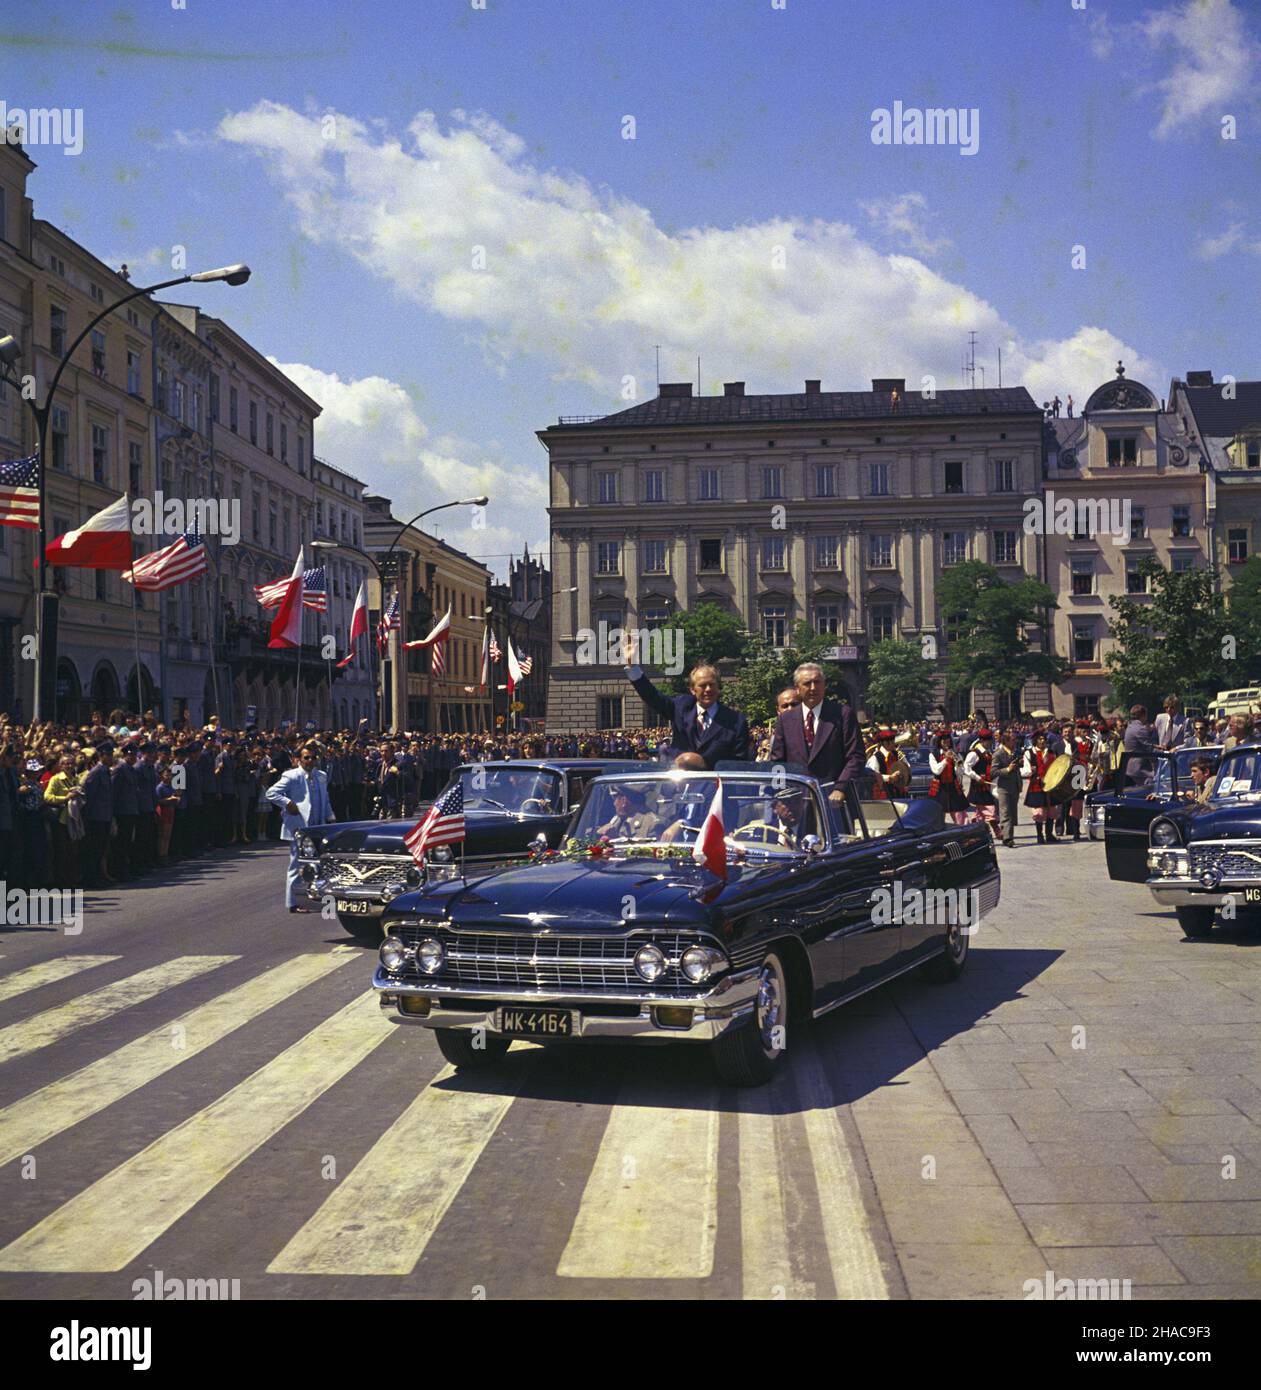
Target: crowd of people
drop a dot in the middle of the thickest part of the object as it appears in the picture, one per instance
(124, 794)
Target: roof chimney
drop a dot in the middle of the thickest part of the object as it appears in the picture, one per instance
(675, 388)
(813, 386)
(886, 384)
(1199, 378)
(733, 388)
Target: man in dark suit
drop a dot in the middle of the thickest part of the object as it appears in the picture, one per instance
(819, 734)
(699, 722)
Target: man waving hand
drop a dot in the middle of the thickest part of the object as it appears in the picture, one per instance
(699, 722)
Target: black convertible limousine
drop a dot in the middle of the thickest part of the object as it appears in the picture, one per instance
(621, 934)
(363, 864)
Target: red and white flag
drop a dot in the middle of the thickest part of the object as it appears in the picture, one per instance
(286, 626)
(437, 639)
(710, 848)
(358, 622)
(518, 667)
(103, 542)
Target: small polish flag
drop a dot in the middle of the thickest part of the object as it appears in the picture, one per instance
(286, 627)
(710, 848)
(358, 622)
(103, 542)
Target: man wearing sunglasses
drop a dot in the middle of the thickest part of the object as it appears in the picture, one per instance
(302, 796)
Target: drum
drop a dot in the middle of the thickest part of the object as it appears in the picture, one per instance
(1058, 781)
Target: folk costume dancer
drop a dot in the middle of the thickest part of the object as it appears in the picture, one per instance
(1037, 762)
(977, 781)
(945, 788)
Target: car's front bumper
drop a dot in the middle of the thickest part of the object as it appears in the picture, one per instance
(714, 1012)
(1189, 892)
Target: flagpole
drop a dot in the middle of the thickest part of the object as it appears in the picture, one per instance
(297, 685)
(135, 616)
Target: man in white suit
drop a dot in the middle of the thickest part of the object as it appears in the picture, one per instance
(302, 795)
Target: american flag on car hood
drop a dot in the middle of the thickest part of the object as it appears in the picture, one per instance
(443, 825)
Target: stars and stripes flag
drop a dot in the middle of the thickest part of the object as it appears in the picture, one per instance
(437, 640)
(518, 668)
(314, 591)
(442, 825)
(19, 492)
(495, 653)
(183, 559)
(387, 624)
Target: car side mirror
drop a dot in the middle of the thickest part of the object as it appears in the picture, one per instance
(811, 843)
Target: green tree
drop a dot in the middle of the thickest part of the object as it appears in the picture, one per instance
(1174, 643)
(989, 622)
(900, 682)
(707, 634)
(766, 670)
(1243, 605)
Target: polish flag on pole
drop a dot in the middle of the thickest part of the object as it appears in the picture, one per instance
(286, 626)
(485, 657)
(710, 848)
(103, 542)
(437, 639)
(358, 623)
(516, 671)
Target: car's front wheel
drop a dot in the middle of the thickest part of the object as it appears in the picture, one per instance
(361, 928)
(750, 1055)
(463, 1051)
(1195, 921)
(949, 964)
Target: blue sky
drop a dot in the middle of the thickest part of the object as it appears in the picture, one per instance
(208, 127)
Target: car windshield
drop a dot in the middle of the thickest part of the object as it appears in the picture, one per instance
(524, 791)
(670, 810)
(1184, 757)
(1239, 776)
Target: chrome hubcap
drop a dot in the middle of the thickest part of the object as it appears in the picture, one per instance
(770, 1008)
(956, 940)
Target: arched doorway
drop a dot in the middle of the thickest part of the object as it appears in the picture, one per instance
(145, 700)
(105, 688)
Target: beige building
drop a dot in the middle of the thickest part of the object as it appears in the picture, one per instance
(433, 576)
(1123, 481)
(839, 508)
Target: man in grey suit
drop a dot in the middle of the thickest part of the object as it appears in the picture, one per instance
(302, 796)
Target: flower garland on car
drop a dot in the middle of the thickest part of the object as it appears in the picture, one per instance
(601, 847)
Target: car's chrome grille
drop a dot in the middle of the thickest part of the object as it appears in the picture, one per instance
(1231, 861)
(345, 871)
(558, 963)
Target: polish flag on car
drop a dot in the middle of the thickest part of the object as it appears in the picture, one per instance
(710, 848)
(103, 542)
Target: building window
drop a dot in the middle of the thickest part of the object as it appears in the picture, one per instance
(710, 485)
(96, 292)
(1004, 475)
(880, 617)
(97, 340)
(1138, 523)
(655, 557)
(654, 617)
(1083, 577)
(954, 475)
(655, 485)
(825, 480)
(1135, 580)
(301, 456)
(772, 481)
(826, 549)
(775, 625)
(1081, 524)
(233, 413)
(255, 513)
(214, 397)
(1085, 706)
(135, 467)
(1254, 453)
(608, 557)
(194, 398)
(100, 454)
(56, 330)
(607, 487)
(773, 553)
(954, 548)
(610, 715)
(1083, 643)
(61, 438)
(827, 619)
(1123, 451)
(271, 525)
(1181, 521)
(284, 442)
(178, 400)
(287, 532)
(133, 373)
(1181, 561)
(101, 592)
(1004, 547)
(711, 555)
(270, 433)
(879, 552)
(610, 617)
(1237, 544)
(879, 479)
(253, 422)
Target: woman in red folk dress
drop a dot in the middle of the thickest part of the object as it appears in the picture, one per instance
(1037, 761)
(944, 766)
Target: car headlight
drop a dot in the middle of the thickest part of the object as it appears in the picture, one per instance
(441, 854)
(1165, 832)
(430, 956)
(1169, 863)
(391, 891)
(393, 954)
(698, 963)
(1097, 814)
(650, 962)
(306, 847)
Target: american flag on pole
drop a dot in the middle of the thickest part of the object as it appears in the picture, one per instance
(387, 624)
(183, 559)
(271, 595)
(19, 493)
(495, 652)
(443, 825)
(437, 642)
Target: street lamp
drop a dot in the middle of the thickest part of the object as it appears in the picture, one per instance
(46, 604)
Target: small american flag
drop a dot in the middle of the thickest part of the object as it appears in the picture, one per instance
(387, 624)
(443, 825)
(19, 493)
(495, 652)
(526, 663)
(271, 595)
(183, 559)
(437, 660)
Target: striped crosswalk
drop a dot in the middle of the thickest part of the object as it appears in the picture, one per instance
(650, 1202)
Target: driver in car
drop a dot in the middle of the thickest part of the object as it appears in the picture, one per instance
(630, 821)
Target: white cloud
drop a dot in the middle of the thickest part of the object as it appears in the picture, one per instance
(370, 427)
(585, 282)
(901, 218)
(1212, 248)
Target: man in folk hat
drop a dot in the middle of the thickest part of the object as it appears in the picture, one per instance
(883, 764)
(1081, 748)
